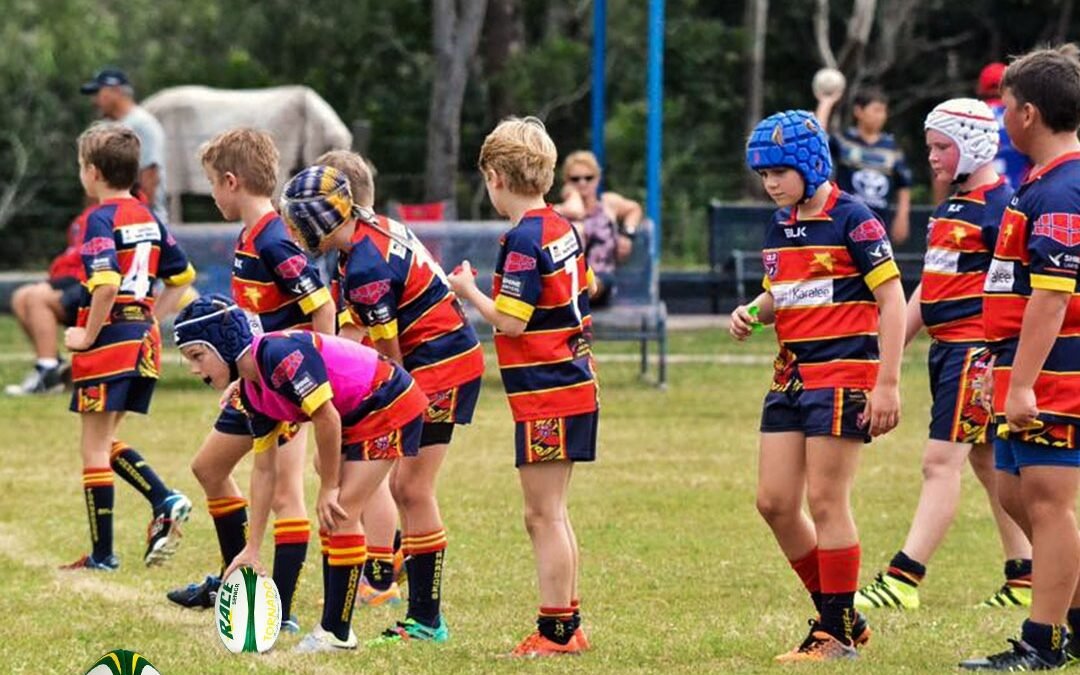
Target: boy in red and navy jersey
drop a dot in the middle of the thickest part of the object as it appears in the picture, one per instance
(830, 275)
(116, 343)
(541, 317)
(389, 284)
(962, 138)
(275, 283)
(1032, 319)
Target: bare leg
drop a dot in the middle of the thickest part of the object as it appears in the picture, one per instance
(943, 464)
(544, 488)
(1013, 540)
(780, 492)
(1049, 493)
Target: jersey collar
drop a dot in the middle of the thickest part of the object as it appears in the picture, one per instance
(259, 226)
(1054, 163)
(821, 215)
(978, 194)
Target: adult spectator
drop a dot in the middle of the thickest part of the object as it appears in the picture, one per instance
(606, 222)
(40, 307)
(867, 161)
(114, 97)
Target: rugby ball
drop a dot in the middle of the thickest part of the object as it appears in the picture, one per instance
(248, 612)
(122, 662)
(828, 82)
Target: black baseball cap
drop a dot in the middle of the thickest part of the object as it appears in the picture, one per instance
(109, 77)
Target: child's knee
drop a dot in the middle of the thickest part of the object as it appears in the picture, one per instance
(775, 508)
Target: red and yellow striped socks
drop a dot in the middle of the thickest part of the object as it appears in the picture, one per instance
(230, 523)
(424, 556)
(291, 537)
(99, 495)
(556, 623)
(345, 560)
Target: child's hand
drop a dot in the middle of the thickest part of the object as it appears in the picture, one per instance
(742, 323)
(248, 557)
(1021, 410)
(227, 395)
(462, 279)
(76, 339)
(831, 99)
(882, 411)
(329, 509)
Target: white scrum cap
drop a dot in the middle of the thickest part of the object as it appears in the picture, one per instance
(970, 124)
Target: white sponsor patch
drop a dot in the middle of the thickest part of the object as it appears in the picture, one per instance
(511, 286)
(304, 385)
(133, 234)
(941, 260)
(563, 247)
(1000, 278)
(803, 293)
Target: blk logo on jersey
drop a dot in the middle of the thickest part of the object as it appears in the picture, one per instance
(98, 245)
(955, 208)
(868, 230)
(1064, 228)
(290, 268)
(518, 262)
(286, 370)
(795, 232)
(370, 293)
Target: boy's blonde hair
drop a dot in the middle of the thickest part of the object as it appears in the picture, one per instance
(358, 170)
(114, 150)
(521, 151)
(248, 154)
(582, 157)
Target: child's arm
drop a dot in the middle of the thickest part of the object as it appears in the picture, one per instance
(883, 405)
(322, 318)
(390, 348)
(901, 226)
(327, 423)
(743, 321)
(1043, 316)
(914, 323)
(263, 477)
(463, 283)
(101, 303)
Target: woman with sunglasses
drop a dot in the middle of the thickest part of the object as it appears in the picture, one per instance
(607, 222)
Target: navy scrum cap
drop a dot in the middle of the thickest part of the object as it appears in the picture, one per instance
(108, 77)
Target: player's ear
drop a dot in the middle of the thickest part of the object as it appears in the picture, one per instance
(230, 180)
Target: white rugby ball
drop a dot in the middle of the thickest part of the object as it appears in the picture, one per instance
(248, 612)
(828, 81)
(122, 662)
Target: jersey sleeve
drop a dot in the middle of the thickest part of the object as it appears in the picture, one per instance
(519, 266)
(293, 273)
(369, 290)
(98, 252)
(174, 268)
(293, 367)
(991, 226)
(868, 243)
(1054, 245)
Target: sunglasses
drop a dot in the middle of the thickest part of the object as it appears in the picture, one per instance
(581, 179)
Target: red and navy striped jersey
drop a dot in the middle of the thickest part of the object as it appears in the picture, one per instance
(1038, 247)
(389, 283)
(272, 278)
(126, 246)
(821, 271)
(959, 248)
(541, 278)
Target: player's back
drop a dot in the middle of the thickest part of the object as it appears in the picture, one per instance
(541, 277)
(960, 245)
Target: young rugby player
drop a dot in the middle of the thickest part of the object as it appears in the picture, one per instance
(366, 412)
(540, 312)
(829, 275)
(116, 343)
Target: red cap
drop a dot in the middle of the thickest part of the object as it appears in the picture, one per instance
(990, 79)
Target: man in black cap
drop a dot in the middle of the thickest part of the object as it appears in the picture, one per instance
(114, 97)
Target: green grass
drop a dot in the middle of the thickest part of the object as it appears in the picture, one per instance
(680, 573)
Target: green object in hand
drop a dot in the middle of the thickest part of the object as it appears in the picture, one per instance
(755, 326)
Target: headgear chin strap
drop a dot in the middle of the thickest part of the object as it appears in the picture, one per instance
(970, 124)
(214, 321)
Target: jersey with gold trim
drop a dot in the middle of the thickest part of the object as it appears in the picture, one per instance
(822, 271)
(389, 283)
(272, 278)
(959, 248)
(126, 246)
(541, 278)
(1038, 247)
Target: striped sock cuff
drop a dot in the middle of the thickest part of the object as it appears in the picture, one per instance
(324, 542)
(419, 544)
(575, 604)
(117, 448)
(223, 506)
(346, 550)
(563, 613)
(99, 477)
(292, 531)
(381, 553)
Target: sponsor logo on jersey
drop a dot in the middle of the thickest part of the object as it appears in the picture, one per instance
(290, 268)
(511, 286)
(563, 247)
(954, 208)
(868, 230)
(795, 232)
(941, 260)
(813, 293)
(545, 440)
(133, 234)
(1064, 228)
(304, 385)
(370, 293)
(98, 245)
(1000, 278)
(771, 261)
(286, 369)
(518, 262)
(385, 447)
(881, 252)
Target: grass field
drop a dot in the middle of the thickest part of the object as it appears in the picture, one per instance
(680, 574)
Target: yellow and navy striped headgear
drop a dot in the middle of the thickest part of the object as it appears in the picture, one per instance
(316, 202)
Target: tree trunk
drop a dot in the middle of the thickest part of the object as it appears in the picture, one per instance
(504, 37)
(455, 36)
(756, 21)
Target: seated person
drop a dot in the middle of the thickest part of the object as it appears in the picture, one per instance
(606, 222)
(39, 307)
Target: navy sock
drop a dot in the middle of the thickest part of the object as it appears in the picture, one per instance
(902, 568)
(131, 466)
